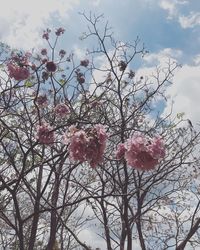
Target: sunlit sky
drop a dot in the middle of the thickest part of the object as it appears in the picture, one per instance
(168, 28)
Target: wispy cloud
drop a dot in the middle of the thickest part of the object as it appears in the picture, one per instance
(22, 20)
(185, 92)
(196, 59)
(163, 56)
(190, 21)
(172, 7)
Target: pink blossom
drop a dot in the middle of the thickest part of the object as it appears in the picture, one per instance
(96, 145)
(20, 59)
(141, 152)
(87, 145)
(42, 100)
(143, 161)
(92, 151)
(17, 72)
(67, 136)
(18, 67)
(45, 135)
(137, 143)
(135, 151)
(157, 148)
(62, 110)
(78, 145)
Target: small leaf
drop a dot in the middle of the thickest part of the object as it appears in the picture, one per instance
(62, 81)
(28, 84)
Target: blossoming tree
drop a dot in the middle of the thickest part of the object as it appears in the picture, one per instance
(82, 147)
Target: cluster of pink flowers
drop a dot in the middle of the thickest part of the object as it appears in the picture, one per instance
(61, 110)
(45, 134)
(142, 152)
(42, 100)
(18, 67)
(87, 145)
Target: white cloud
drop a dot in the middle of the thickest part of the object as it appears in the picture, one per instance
(172, 6)
(174, 12)
(163, 56)
(196, 59)
(190, 21)
(22, 21)
(185, 92)
(95, 2)
(90, 238)
(79, 53)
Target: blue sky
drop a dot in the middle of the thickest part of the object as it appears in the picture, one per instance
(159, 24)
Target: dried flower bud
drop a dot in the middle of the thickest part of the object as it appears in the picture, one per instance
(46, 34)
(84, 63)
(44, 60)
(122, 65)
(80, 77)
(44, 52)
(33, 67)
(51, 66)
(59, 31)
(131, 74)
(45, 75)
(62, 53)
